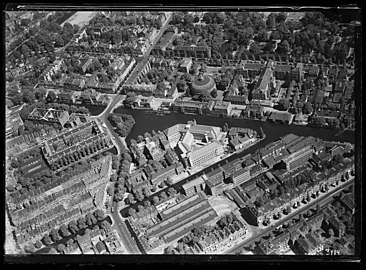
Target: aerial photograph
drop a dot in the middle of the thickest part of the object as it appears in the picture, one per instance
(181, 132)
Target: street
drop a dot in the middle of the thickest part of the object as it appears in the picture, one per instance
(321, 201)
(117, 220)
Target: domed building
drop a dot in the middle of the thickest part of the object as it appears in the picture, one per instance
(203, 85)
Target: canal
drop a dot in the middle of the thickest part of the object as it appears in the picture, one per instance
(148, 122)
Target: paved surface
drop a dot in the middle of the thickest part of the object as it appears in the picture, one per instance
(80, 18)
(323, 199)
(120, 144)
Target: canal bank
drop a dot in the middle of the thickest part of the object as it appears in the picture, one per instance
(147, 123)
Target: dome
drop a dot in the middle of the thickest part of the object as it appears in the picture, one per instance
(203, 85)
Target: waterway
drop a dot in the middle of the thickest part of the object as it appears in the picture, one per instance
(148, 122)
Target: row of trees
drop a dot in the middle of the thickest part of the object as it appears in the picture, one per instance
(155, 201)
(65, 231)
(73, 227)
(80, 154)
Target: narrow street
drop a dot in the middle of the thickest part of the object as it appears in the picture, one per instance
(322, 200)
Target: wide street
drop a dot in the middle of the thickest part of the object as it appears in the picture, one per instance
(322, 200)
(117, 220)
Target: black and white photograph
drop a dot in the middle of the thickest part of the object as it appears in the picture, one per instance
(182, 131)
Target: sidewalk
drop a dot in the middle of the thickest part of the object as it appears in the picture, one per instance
(304, 206)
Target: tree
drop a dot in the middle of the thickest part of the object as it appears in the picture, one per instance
(28, 97)
(51, 97)
(284, 104)
(64, 232)
(17, 98)
(330, 232)
(61, 247)
(99, 215)
(172, 191)
(147, 204)
(254, 48)
(271, 22)
(90, 219)
(156, 200)
(46, 239)
(73, 227)
(52, 251)
(54, 235)
(105, 225)
(131, 211)
(214, 93)
(283, 47)
(81, 223)
(308, 108)
(263, 35)
(169, 250)
(38, 244)
(29, 249)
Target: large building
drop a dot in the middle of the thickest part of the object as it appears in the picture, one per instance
(249, 69)
(195, 186)
(215, 181)
(262, 89)
(203, 85)
(49, 116)
(176, 133)
(78, 138)
(204, 154)
(241, 176)
(13, 123)
(181, 218)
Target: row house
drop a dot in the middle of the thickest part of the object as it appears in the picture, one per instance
(231, 167)
(199, 52)
(276, 245)
(195, 186)
(161, 175)
(249, 69)
(215, 182)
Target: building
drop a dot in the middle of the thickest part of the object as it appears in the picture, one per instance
(281, 117)
(223, 108)
(215, 182)
(78, 138)
(204, 154)
(298, 158)
(249, 69)
(261, 90)
(231, 167)
(185, 65)
(195, 186)
(13, 123)
(198, 52)
(203, 85)
(241, 176)
(162, 175)
(282, 72)
(49, 116)
(237, 100)
(338, 226)
(254, 111)
(153, 151)
(275, 245)
(181, 218)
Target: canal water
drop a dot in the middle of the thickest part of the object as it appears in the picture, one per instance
(148, 122)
